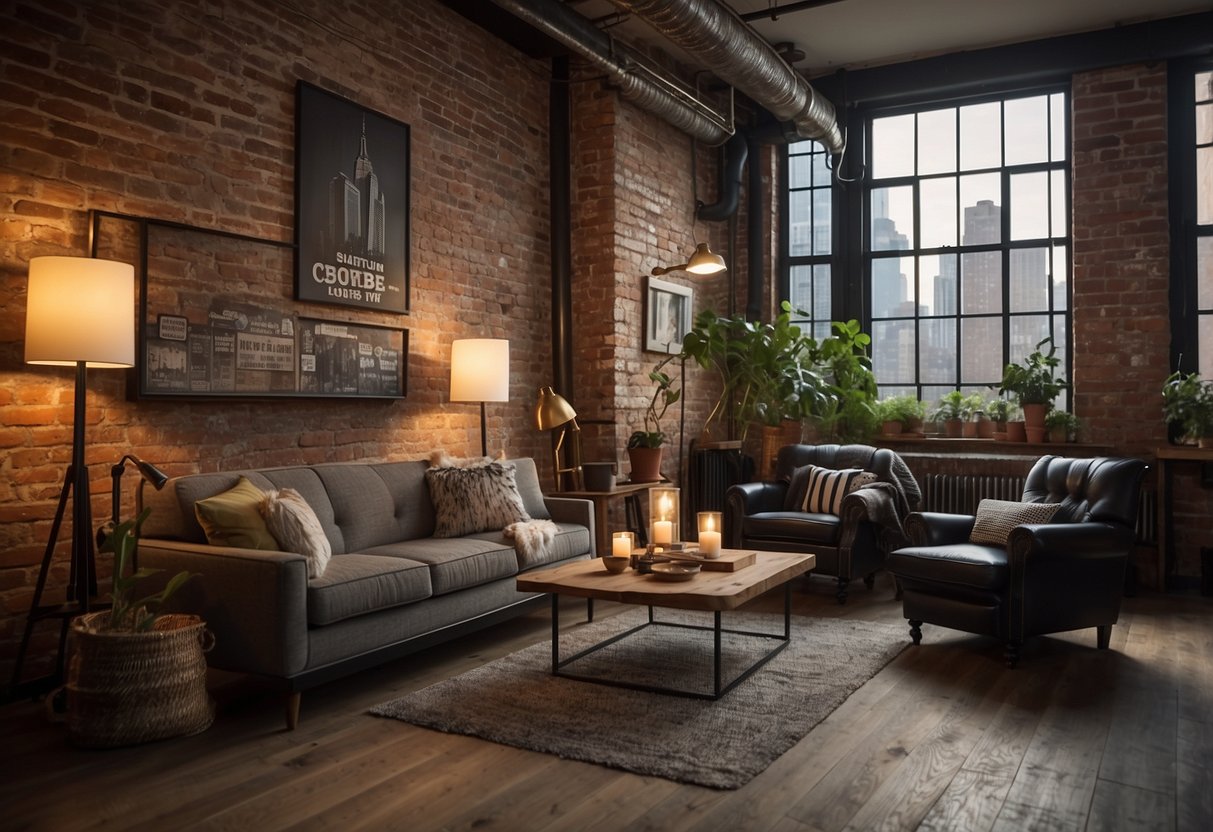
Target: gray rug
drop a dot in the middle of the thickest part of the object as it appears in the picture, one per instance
(516, 701)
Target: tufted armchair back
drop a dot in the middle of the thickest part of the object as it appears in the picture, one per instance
(877, 460)
(1099, 489)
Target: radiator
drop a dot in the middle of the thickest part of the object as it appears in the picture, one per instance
(712, 471)
(960, 494)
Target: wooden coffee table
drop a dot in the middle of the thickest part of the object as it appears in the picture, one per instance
(709, 591)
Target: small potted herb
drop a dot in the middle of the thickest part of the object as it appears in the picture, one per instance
(1062, 426)
(1187, 404)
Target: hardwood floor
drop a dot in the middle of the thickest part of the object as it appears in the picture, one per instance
(944, 738)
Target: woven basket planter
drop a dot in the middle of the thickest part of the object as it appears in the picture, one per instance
(125, 688)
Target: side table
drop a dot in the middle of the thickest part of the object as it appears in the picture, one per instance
(1167, 456)
(629, 491)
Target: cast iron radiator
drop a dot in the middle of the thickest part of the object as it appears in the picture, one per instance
(960, 494)
(712, 471)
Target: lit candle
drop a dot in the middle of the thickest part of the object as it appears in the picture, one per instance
(709, 534)
(621, 544)
(663, 531)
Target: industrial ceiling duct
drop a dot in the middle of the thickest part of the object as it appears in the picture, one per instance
(721, 42)
(636, 83)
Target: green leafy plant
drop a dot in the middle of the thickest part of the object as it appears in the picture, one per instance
(904, 409)
(1035, 381)
(1062, 420)
(952, 405)
(765, 368)
(127, 612)
(1187, 403)
(665, 395)
(847, 368)
(998, 409)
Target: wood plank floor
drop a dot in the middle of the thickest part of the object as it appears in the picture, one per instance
(944, 738)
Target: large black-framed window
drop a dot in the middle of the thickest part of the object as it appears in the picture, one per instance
(966, 239)
(1191, 183)
(809, 237)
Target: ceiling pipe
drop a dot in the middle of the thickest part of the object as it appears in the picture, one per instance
(716, 38)
(732, 160)
(623, 67)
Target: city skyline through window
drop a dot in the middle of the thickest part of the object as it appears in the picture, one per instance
(967, 241)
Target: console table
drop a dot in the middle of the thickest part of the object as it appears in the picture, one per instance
(602, 503)
(1167, 456)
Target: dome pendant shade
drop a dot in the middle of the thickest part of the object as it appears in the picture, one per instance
(703, 262)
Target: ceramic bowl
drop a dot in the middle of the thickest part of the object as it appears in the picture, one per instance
(615, 563)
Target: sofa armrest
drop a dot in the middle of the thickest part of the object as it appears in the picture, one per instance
(573, 510)
(254, 601)
(1070, 541)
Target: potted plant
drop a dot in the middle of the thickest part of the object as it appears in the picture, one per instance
(976, 423)
(998, 410)
(1187, 404)
(898, 414)
(952, 412)
(645, 445)
(1035, 385)
(1062, 426)
(850, 414)
(136, 674)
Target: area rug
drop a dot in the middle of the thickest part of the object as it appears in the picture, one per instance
(516, 701)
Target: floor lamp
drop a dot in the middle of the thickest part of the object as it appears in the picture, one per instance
(80, 312)
(480, 372)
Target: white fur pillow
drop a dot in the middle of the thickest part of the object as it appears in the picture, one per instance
(297, 528)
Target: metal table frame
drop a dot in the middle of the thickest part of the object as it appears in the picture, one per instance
(718, 690)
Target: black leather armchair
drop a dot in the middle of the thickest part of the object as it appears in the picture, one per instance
(760, 515)
(1067, 574)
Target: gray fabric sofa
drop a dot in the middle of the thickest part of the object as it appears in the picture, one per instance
(389, 589)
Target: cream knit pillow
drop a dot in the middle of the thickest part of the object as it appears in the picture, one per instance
(296, 527)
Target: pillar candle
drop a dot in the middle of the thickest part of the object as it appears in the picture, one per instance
(709, 544)
(663, 532)
(621, 544)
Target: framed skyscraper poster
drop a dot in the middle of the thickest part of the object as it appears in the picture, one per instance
(351, 204)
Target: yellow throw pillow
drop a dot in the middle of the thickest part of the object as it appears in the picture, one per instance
(233, 518)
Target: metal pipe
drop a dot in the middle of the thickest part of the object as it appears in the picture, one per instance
(644, 88)
(754, 270)
(715, 37)
(560, 191)
(732, 159)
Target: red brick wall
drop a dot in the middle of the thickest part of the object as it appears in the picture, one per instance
(185, 112)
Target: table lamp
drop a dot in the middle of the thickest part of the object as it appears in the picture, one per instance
(480, 372)
(554, 413)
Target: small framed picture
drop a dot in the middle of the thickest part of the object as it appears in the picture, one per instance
(667, 315)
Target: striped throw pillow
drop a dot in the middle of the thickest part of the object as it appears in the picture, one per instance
(826, 488)
(996, 518)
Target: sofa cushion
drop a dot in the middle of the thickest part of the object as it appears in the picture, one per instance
(296, 528)
(959, 564)
(233, 518)
(820, 490)
(358, 584)
(997, 518)
(793, 526)
(474, 499)
(457, 563)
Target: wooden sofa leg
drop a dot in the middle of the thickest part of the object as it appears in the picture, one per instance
(292, 710)
(841, 594)
(869, 580)
(589, 609)
(1103, 636)
(1012, 654)
(916, 631)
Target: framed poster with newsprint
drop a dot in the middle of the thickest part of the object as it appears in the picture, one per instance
(351, 204)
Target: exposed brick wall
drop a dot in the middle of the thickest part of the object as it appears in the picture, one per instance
(185, 111)
(1122, 325)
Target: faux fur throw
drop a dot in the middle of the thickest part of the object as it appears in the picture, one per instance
(532, 541)
(296, 527)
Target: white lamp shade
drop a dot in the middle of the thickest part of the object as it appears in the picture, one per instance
(480, 370)
(80, 309)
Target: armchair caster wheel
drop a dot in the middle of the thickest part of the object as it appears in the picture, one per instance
(916, 632)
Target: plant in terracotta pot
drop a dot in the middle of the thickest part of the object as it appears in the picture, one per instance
(1035, 385)
(1187, 404)
(1062, 426)
(952, 412)
(998, 410)
(899, 414)
(976, 423)
(645, 446)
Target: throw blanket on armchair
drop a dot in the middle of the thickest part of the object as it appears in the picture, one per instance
(888, 501)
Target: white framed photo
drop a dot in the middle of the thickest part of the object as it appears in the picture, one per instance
(667, 315)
